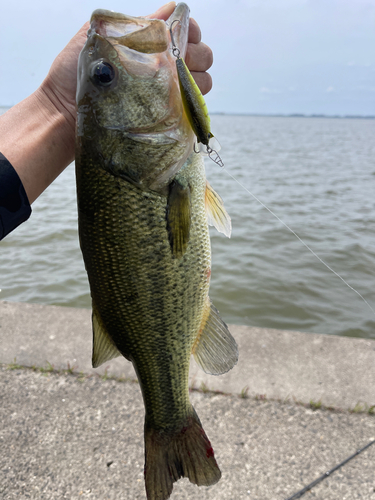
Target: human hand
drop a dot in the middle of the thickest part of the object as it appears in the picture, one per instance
(61, 82)
(37, 135)
(198, 55)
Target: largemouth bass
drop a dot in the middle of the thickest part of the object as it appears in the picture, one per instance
(144, 207)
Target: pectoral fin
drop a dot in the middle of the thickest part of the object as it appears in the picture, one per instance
(215, 350)
(216, 213)
(178, 217)
(103, 348)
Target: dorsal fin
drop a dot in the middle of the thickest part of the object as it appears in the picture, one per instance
(215, 350)
(103, 348)
(216, 213)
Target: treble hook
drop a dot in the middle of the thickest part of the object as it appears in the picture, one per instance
(175, 50)
(212, 154)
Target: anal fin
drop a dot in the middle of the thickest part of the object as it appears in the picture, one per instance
(214, 350)
(103, 348)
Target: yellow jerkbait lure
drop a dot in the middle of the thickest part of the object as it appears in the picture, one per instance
(195, 106)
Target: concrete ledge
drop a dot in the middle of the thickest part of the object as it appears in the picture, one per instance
(337, 371)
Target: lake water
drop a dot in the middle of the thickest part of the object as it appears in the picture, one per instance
(316, 174)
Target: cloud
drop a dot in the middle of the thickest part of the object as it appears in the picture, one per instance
(330, 89)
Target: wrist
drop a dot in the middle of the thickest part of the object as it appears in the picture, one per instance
(60, 118)
(55, 105)
(38, 139)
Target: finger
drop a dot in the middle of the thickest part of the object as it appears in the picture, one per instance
(83, 31)
(203, 80)
(199, 57)
(194, 31)
(84, 28)
(164, 12)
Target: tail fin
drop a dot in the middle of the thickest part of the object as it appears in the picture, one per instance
(185, 452)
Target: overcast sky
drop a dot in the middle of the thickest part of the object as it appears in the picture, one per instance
(271, 56)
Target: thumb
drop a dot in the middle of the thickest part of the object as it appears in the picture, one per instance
(164, 12)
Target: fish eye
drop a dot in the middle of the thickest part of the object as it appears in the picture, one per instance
(103, 73)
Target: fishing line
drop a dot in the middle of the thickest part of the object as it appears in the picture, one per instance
(307, 488)
(296, 235)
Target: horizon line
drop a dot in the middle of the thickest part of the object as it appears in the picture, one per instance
(273, 115)
(294, 115)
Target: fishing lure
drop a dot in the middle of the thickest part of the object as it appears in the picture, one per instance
(195, 107)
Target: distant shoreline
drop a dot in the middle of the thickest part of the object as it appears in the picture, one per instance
(276, 115)
(294, 115)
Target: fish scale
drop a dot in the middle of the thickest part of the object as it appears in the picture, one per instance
(155, 298)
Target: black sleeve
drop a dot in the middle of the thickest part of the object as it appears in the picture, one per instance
(14, 204)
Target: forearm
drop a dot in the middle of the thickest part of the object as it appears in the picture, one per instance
(38, 139)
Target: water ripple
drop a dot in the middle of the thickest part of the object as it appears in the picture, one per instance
(316, 174)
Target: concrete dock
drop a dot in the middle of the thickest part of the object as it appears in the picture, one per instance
(295, 406)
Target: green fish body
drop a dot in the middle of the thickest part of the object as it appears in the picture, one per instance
(144, 207)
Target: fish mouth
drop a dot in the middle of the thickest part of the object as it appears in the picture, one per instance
(139, 39)
(147, 36)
